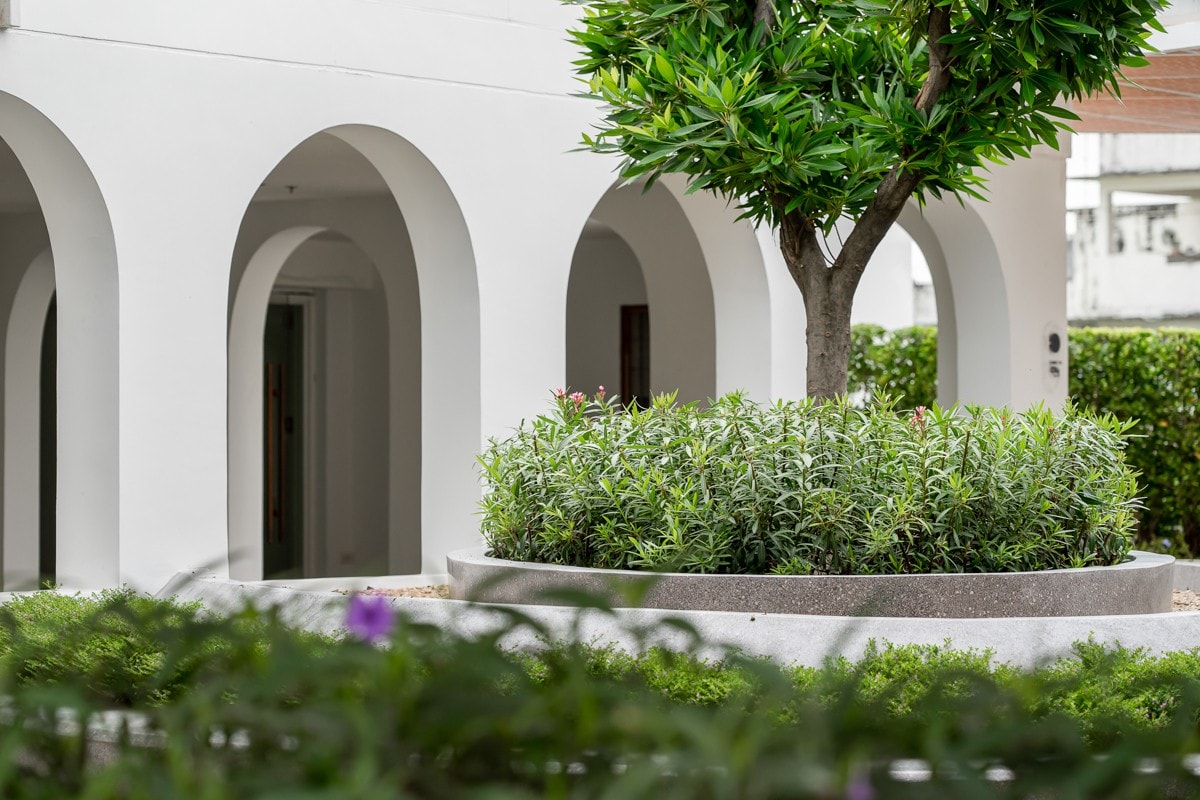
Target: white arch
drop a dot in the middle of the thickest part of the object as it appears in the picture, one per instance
(449, 359)
(712, 326)
(85, 265)
(919, 229)
(741, 295)
(246, 323)
(22, 422)
(450, 339)
(974, 321)
(678, 288)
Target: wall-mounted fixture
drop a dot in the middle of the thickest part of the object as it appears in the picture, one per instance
(1055, 355)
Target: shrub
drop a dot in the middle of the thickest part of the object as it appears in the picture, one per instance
(1153, 377)
(1149, 376)
(803, 488)
(277, 713)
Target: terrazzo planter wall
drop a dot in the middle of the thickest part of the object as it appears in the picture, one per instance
(1141, 585)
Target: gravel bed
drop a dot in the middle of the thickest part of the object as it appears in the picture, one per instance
(428, 592)
(1185, 600)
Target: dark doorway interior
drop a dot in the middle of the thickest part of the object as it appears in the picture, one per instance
(283, 456)
(48, 455)
(635, 355)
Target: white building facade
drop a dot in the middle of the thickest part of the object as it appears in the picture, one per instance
(301, 259)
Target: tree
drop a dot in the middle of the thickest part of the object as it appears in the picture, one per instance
(806, 112)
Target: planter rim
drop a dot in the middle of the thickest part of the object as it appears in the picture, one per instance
(1137, 559)
(1140, 585)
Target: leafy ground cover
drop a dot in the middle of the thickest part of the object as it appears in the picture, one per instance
(244, 707)
(808, 488)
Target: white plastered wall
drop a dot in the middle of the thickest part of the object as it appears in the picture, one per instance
(166, 118)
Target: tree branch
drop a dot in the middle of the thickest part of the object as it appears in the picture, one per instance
(764, 12)
(899, 184)
(938, 77)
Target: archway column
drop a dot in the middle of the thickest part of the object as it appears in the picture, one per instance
(85, 263)
(172, 384)
(1025, 218)
(23, 343)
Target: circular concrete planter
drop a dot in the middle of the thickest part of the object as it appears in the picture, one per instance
(1141, 585)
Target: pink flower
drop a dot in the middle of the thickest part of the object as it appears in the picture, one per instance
(559, 393)
(577, 398)
(369, 618)
(600, 393)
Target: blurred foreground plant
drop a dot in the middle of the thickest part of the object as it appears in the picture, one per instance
(269, 712)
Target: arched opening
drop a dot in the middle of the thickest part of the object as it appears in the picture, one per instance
(336, 343)
(970, 302)
(899, 293)
(61, 417)
(667, 293)
(640, 302)
(608, 318)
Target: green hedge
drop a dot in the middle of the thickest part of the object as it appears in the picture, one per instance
(266, 712)
(900, 363)
(807, 488)
(1152, 376)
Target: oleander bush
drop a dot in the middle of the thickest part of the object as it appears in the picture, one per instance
(805, 488)
(275, 713)
(1149, 376)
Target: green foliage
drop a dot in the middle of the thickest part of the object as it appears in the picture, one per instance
(900, 363)
(1151, 377)
(104, 646)
(814, 111)
(808, 488)
(273, 713)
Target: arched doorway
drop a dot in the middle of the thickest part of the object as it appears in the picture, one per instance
(667, 293)
(338, 275)
(61, 445)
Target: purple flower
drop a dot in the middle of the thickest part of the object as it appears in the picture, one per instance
(369, 618)
(860, 788)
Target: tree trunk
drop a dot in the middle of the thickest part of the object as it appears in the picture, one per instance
(828, 286)
(828, 291)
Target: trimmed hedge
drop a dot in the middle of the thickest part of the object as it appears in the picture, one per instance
(806, 488)
(1152, 376)
(900, 363)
